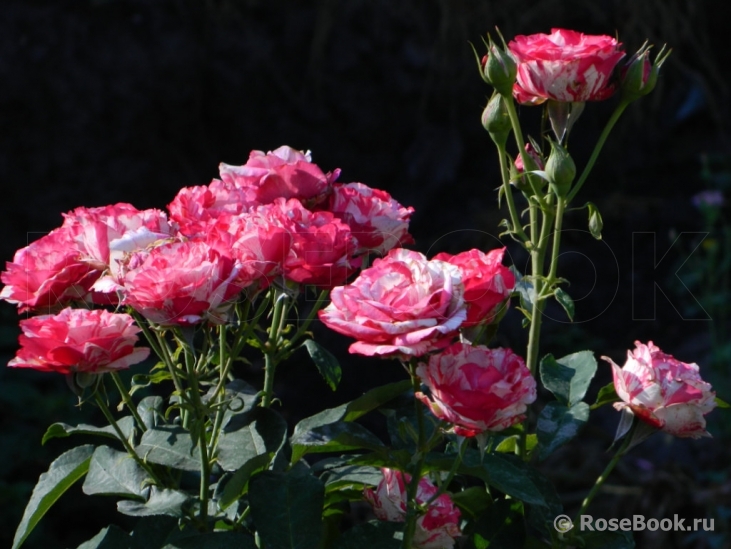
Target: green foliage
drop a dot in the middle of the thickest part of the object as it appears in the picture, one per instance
(63, 472)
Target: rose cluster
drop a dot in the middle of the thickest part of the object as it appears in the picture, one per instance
(407, 306)
(279, 216)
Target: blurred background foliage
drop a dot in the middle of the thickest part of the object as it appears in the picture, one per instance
(105, 101)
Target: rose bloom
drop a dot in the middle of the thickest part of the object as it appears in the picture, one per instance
(323, 247)
(257, 240)
(487, 283)
(181, 283)
(435, 529)
(79, 340)
(663, 392)
(377, 220)
(284, 172)
(194, 208)
(477, 389)
(402, 305)
(564, 66)
(49, 273)
(96, 231)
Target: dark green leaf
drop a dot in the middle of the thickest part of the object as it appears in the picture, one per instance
(163, 501)
(111, 537)
(151, 532)
(527, 294)
(607, 395)
(558, 424)
(506, 473)
(474, 501)
(565, 301)
(374, 398)
(372, 535)
(511, 478)
(287, 509)
(171, 446)
(326, 363)
(239, 396)
(63, 472)
(501, 527)
(150, 410)
(62, 430)
(115, 473)
(352, 474)
(214, 540)
(238, 484)
(568, 377)
(333, 437)
(260, 431)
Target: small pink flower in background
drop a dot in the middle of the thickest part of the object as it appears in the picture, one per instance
(663, 392)
(48, 273)
(194, 208)
(436, 529)
(377, 220)
(564, 66)
(323, 247)
(477, 389)
(181, 283)
(284, 172)
(79, 340)
(403, 305)
(487, 283)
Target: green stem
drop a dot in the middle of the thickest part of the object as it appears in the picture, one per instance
(538, 254)
(597, 149)
(412, 508)
(607, 471)
(200, 426)
(271, 346)
(128, 401)
(219, 394)
(560, 208)
(507, 189)
(302, 330)
(520, 142)
(127, 446)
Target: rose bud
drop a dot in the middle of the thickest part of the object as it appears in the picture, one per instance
(560, 169)
(496, 120)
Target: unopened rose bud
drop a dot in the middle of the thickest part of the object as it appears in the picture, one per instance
(500, 69)
(639, 75)
(496, 120)
(518, 168)
(560, 169)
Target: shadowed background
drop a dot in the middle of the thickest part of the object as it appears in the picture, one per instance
(110, 101)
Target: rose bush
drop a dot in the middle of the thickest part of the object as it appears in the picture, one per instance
(79, 340)
(403, 305)
(437, 528)
(564, 66)
(663, 392)
(477, 389)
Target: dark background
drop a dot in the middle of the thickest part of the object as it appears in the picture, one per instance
(105, 101)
